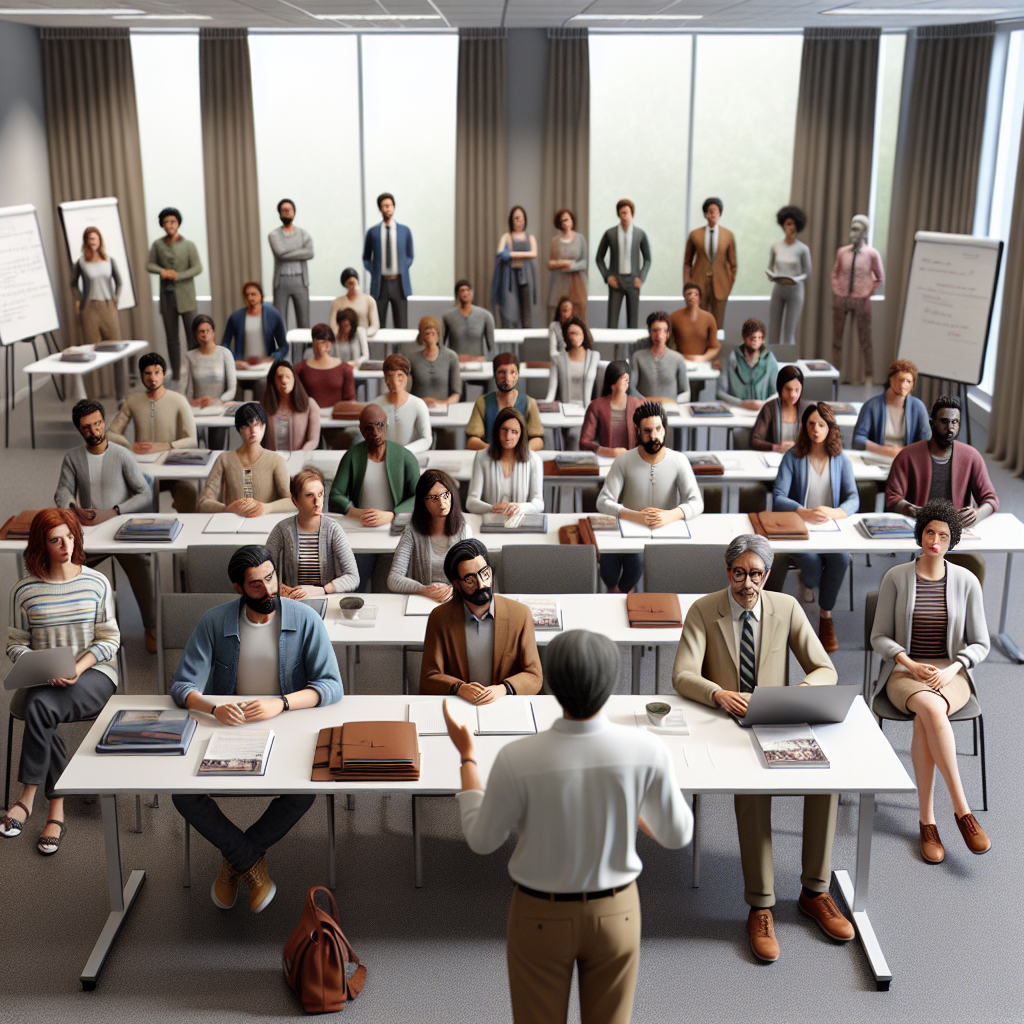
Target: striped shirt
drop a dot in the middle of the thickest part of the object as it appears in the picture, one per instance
(309, 560)
(928, 628)
(76, 613)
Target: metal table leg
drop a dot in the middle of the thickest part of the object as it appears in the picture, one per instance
(121, 896)
(332, 880)
(417, 846)
(1003, 640)
(637, 654)
(31, 409)
(696, 840)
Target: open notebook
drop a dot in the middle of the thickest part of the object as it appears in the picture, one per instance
(677, 530)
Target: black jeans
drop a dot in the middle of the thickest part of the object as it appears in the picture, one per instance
(242, 849)
(169, 313)
(622, 571)
(391, 291)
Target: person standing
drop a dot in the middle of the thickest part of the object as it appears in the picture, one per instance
(468, 329)
(567, 261)
(176, 260)
(629, 264)
(789, 266)
(710, 260)
(856, 275)
(387, 255)
(97, 284)
(514, 288)
(293, 249)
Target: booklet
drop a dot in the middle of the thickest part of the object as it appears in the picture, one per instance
(788, 746)
(428, 715)
(507, 716)
(237, 751)
(546, 611)
(676, 530)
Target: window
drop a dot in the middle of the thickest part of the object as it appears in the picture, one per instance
(892, 50)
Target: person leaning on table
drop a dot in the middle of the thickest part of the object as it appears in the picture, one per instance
(733, 641)
(507, 477)
(479, 646)
(576, 794)
(276, 653)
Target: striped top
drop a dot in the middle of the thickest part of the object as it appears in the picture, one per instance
(76, 613)
(929, 625)
(309, 560)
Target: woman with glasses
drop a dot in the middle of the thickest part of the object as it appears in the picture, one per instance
(507, 476)
(436, 524)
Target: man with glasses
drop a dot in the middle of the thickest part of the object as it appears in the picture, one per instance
(733, 641)
(479, 646)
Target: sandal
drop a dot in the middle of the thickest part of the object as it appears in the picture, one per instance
(51, 844)
(11, 827)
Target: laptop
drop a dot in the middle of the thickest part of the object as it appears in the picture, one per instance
(798, 705)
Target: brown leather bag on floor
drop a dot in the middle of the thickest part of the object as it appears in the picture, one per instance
(317, 957)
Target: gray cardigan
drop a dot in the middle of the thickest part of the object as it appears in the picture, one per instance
(966, 633)
(121, 482)
(337, 563)
(411, 564)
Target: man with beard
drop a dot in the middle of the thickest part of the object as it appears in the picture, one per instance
(479, 646)
(276, 655)
(651, 485)
(293, 249)
(487, 407)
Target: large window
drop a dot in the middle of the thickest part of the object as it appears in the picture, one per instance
(892, 50)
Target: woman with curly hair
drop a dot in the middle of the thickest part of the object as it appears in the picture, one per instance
(789, 266)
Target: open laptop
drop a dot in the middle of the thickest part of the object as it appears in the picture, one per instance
(798, 705)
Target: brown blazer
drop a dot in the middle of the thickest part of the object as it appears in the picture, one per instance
(516, 660)
(707, 659)
(698, 268)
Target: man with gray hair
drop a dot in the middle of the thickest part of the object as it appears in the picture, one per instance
(733, 641)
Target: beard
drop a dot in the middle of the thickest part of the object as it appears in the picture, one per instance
(262, 605)
(652, 447)
(287, 221)
(92, 441)
(504, 386)
(944, 441)
(479, 597)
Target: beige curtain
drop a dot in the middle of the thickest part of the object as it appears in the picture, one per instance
(92, 131)
(937, 154)
(481, 156)
(835, 128)
(565, 175)
(229, 167)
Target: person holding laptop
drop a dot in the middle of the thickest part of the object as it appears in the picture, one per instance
(733, 641)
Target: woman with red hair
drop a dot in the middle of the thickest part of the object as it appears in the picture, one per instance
(61, 603)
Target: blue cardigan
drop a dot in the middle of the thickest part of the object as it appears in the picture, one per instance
(791, 484)
(209, 662)
(273, 332)
(871, 421)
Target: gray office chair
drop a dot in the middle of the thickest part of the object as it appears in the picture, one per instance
(549, 569)
(206, 567)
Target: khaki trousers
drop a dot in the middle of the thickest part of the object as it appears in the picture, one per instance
(546, 939)
(715, 306)
(100, 322)
(754, 824)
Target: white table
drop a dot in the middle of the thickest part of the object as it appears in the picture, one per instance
(55, 366)
(716, 758)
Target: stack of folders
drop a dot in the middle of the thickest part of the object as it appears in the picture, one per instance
(148, 732)
(709, 409)
(188, 457)
(149, 531)
(886, 527)
(530, 522)
(705, 464)
(367, 752)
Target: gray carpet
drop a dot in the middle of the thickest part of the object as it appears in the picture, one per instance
(437, 954)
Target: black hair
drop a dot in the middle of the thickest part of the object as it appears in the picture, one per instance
(252, 556)
(946, 402)
(511, 212)
(152, 359)
(789, 372)
(581, 323)
(942, 511)
(615, 369)
(645, 412)
(283, 201)
(421, 515)
(581, 669)
(793, 213)
(271, 400)
(521, 452)
(199, 320)
(465, 551)
(383, 196)
(712, 199)
(658, 314)
(249, 412)
(347, 273)
(462, 283)
(85, 407)
(168, 211)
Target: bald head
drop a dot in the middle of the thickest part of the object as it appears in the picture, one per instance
(373, 425)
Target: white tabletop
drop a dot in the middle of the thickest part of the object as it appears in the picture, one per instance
(54, 363)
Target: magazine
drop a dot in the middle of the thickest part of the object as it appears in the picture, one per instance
(148, 732)
(237, 751)
(788, 746)
(546, 611)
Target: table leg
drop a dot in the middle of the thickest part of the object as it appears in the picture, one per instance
(696, 840)
(31, 410)
(417, 846)
(1003, 640)
(121, 898)
(856, 896)
(637, 654)
(332, 880)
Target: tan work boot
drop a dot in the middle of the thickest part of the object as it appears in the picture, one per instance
(224, 890)
(761, 926)
(262, 887)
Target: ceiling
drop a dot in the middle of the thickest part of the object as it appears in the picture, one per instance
(445, 14)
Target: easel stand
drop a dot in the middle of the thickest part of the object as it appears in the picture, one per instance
(10, 377)
(961, 393)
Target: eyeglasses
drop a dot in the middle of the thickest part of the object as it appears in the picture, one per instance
(381, 425)
(478, 579)
(443, 496)
(754, 575)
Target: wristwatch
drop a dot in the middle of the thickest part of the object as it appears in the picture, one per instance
(284, 700)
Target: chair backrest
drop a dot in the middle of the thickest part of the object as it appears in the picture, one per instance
(684, 568)
(206, 567)
(870, 603)
(177, 617)
(549, 569)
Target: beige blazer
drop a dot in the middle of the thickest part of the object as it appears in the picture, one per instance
(698, 268)
(707, 659)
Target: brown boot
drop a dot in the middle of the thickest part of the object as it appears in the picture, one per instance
(827, 634)
(262, 887)
(973, 833)
(224, 890)
(825, 912)
(762, 934)
(932, 850)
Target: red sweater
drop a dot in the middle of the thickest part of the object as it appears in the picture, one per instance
(910, 478)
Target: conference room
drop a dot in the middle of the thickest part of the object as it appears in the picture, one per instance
(392, 308)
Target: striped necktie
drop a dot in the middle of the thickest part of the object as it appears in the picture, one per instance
(747, 671)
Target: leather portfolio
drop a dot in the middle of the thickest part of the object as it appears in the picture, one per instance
(779, 525)
(17, 527)
(538, 364)
(367, 752)
(654, 611)
(348, 410)
(552, 468)
(705, 464)
(569, 535)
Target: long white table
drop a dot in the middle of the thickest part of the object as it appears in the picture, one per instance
(716, 758)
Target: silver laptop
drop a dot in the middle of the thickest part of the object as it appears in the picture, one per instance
(798, 705)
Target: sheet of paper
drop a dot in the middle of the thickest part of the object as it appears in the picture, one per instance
(507, 716)
(573, 409)
(677, 529)
(223, 522)
(771, 459)
(429, 717)
(829, 526)
(417, 604)
(262, 524)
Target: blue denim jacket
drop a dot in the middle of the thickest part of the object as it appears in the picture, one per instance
(209, 663)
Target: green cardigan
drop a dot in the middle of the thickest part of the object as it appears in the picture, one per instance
(403, 471)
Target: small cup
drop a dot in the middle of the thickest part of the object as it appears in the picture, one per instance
(657, 712)
(351, 605)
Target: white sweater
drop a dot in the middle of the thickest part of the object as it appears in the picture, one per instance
(409, 425)
(634, 484)
(488, 482)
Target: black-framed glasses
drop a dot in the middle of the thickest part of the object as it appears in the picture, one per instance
(443, 496)
(741, 575)
(478, 579)
(381, 425)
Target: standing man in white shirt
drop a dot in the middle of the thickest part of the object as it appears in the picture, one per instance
(387, 255)
(293, 249)
(576, 793)
(628, 267)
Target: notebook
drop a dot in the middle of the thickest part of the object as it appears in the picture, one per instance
(148, 732)
(428, 716)
(676, 530)
(417, 604)
(507, 716)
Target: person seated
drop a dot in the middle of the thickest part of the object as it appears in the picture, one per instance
(564, 311)
(326, 378)
(209, 369)
(657, 371)
(436, 524)
(888, 422)
(574, 370)
(408, 416)
(352, 345)
(60, 603)
(355, 299)
(276, 655)
(608, 425)
(250, 481)
(101, 477)
(507, 477)
(293, 418)
(750, 371)
(468, 329)
(255, 333)
(575, 794)
(694, 330)
(486, 407)
(733, 641)
(815, 480)
(778, 423)
(930, 630)
(479, 646)
(311, 550)
(651, 485)
(436, 377)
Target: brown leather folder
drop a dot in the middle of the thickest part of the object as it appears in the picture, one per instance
(17, 527)
(538, 364)
(366, 752)
(551, 468)
(779, 525)
(348, 410)
(586, 532)
(569, 535)
(654, 611)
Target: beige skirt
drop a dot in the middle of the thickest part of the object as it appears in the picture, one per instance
(902, 686)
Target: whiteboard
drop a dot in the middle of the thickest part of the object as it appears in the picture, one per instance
(103, 214)
(950, 295)
(27, 305)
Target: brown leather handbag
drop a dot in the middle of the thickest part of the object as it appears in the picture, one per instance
(317, 959)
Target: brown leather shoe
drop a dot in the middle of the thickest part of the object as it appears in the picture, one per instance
(974, 834)
(262, 887)
(224, 890)
(150, 639)
(762, 934)
(827, 634)
(824, 910)
(932, 850)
